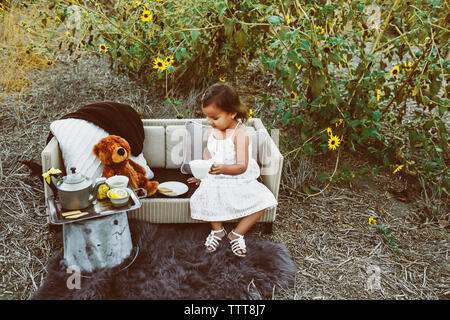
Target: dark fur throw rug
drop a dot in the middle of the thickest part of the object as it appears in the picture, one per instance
(171, 264)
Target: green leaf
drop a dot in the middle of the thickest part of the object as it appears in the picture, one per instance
(275, 19)
(317, 63)
(323, 177)
(304, 45)
(354, 123)
(194, 35)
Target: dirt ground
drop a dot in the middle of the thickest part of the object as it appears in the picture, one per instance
(338, 253)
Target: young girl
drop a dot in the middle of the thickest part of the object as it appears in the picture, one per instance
(230, 190)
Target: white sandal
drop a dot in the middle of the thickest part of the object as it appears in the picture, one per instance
(238, 244)
(212, 241)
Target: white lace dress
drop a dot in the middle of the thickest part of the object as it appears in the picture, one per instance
(227, 197)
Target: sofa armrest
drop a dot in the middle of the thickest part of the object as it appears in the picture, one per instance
(51, 158)
(271, 167)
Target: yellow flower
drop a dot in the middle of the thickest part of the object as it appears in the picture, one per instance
(378, 95)
(103, 48)
(136, 3)
(50, 172)
(169, 60)
(250, 113)
(159, 64)
(298, 65)
(329, 132)
(244, 55)
(326, 49)
(320, 30)
(49, 62)
(339, 122)
(222, 79)
(146, 16)
(407, 66)
(288, 20)
(398, 168)
(293, 96)
(2, 7)
(333, 142)
(312, 11)
(372, 221)
(395, 71)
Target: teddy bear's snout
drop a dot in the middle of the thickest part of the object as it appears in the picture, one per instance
(119, 154)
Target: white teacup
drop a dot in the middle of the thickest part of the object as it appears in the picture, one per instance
(200, 168)
(117, 182)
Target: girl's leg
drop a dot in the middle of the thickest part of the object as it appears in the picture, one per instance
(245, 224)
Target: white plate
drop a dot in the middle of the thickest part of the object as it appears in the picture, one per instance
(178, 187)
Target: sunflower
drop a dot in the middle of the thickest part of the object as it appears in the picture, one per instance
(395, 71)
(378, 95)
(2, 7)
(293, 96)
(327, 49)
(244, 55)
(222, 79)
(372, 221)
(333, 142)
(338, 123)
(329, 132)
(398, 168)
(49, 62)
(136, 3)
(103, 48)
(217, 65)
(407, 66)
(320, 30)
(146, 16)
(169, 60)
(159, 64)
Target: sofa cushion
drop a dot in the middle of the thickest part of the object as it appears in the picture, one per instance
(76, 139)
(154, 146)
(175, 142)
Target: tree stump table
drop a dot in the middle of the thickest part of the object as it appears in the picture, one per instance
(103, 242)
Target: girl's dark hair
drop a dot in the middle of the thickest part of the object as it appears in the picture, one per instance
(225, 97)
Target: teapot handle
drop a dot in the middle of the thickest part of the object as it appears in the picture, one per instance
(94, 191)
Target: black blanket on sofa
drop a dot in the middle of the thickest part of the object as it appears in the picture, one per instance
(116, 119)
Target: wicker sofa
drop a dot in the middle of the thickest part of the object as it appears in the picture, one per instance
(165, 152)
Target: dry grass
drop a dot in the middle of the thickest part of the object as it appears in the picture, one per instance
(21, 47)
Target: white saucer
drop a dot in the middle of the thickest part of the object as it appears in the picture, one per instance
(178, 188)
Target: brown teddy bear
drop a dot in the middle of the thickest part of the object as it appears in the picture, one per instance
(114, 151)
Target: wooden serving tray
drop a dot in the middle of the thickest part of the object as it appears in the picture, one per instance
(99, 208)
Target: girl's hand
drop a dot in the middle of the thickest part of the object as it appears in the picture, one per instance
(194, 180)
(217, 169)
